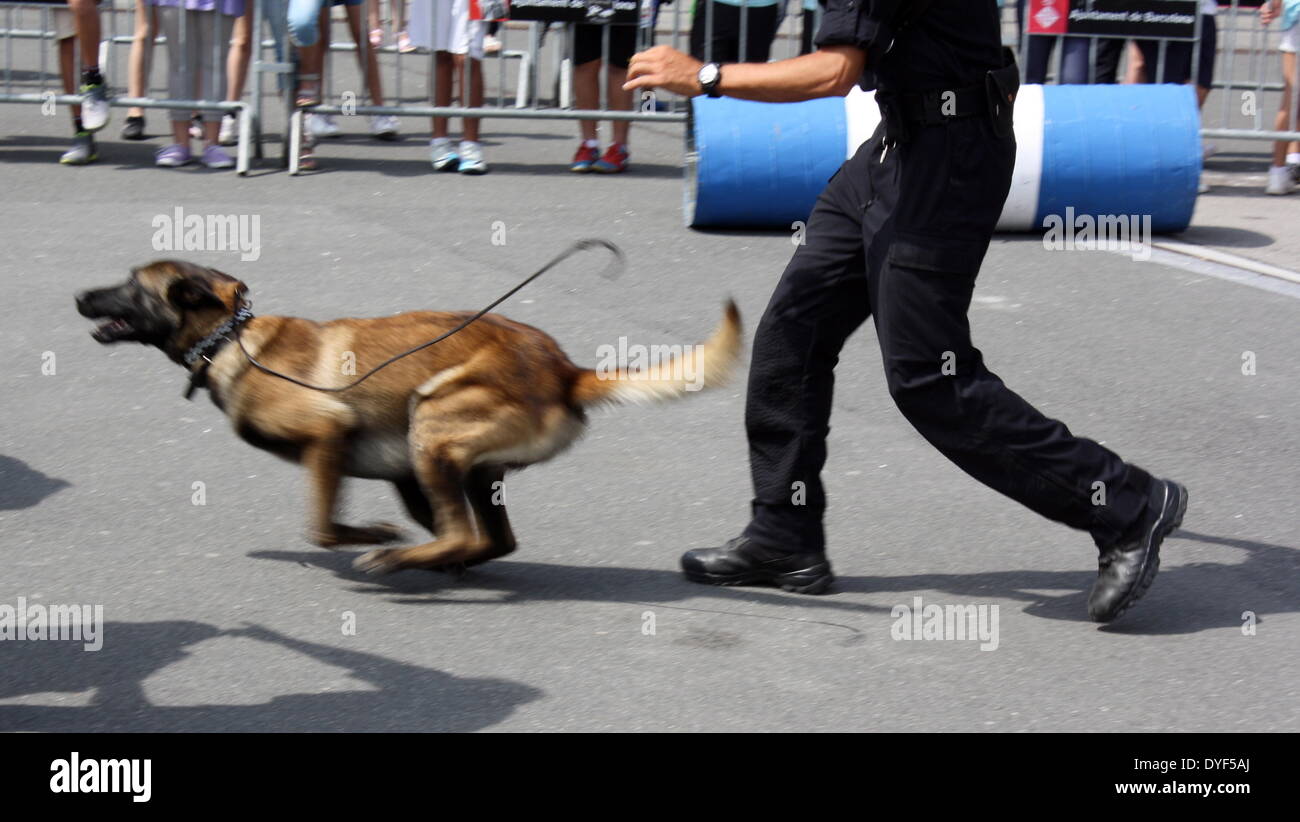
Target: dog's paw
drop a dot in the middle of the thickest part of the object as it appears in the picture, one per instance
(375, 533)
(378, 561)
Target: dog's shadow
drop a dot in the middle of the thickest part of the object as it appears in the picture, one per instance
(400, 696)
(1186, 599)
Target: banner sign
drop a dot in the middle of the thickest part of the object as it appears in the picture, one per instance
(575, 11)
(1139, 19)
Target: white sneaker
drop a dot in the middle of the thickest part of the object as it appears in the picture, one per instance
(442, 153)
(471, 158)
(491, 44)
(1279, 181)
(383, 127)
(322, 125)
(229, 130)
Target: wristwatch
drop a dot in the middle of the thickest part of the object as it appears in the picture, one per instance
(710, 74)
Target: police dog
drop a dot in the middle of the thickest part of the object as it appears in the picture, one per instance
(442, 425)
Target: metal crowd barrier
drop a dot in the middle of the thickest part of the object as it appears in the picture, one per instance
(539, 38)
(32, 21)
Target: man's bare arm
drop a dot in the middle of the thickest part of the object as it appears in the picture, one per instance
(830, 71)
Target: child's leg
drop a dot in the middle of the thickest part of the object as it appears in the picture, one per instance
(68, 72)
(442, 89)
(311, 57)
(138, 64)
(1283, 121)
(366, 59)
(180, 77)
(619, 100)
(586, 94)
(241, 51)
(87, 21)
(475, 97)
(216, 30)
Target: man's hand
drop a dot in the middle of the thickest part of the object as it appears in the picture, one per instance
(665, 68)
(1269, 11)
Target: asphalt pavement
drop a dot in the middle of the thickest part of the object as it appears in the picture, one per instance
(221, 616)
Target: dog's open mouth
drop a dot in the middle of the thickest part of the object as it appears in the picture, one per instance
(113, 330)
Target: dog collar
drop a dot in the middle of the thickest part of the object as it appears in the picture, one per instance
(206, 348)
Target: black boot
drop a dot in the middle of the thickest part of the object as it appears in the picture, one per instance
(1127, 568)
(744, 562)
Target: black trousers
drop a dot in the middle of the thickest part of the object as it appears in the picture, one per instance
(761, 23)
(898, 235)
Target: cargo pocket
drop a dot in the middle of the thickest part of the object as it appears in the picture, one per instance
(947, 255)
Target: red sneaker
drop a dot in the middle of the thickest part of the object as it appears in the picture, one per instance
(614, 161)
(584, 159)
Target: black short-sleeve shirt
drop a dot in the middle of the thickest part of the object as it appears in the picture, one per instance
(951, 45)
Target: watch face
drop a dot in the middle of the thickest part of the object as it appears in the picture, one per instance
(709, 74)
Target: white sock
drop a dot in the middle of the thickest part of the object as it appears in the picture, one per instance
(440, 142)
(1293, 159)
(591, 144)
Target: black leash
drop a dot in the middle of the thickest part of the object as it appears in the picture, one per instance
(618, 265)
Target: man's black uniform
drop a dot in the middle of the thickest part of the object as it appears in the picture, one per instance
(898, 235)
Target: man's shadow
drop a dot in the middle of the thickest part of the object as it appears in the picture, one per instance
(1185, 599)
(406, 697)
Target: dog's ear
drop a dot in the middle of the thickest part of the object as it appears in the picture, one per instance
(192, 293)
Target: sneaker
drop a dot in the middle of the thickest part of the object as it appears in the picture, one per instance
(216, 157)
(404, 44)
(744, 562)
(443, 154)
(614, 161)
(133, 129)
(1126, 569)
(229, 130)
(173, 156)
(1279, 181)
(322, 125)
(82, 151)
(584, 159)
(94, 101)
(491, 44)
(383, 127)
(471, 158)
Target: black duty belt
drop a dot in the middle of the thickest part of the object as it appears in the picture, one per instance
(935, 107)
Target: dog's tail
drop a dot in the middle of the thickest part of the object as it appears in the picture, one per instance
(664, 372)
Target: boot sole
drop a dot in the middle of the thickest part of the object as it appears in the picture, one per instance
(1162, 528)
(813, 580)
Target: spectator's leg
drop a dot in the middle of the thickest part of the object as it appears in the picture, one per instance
(367, 60)
(88, 33)
(304, 21)
(1075, 59)
(474, 69)
(68, 73)
(180, 80)
(1137, 66)
(619, 100)
(760, 32)
(241, 50)
(1038, 57)
(1106, 66)
(442, 90)
(1286, 118)
(586, 95)
(141, 58)
(1205, 58)
(218, 29)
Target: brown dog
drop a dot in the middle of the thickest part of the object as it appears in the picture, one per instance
(443, 425)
